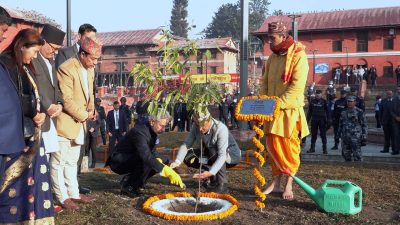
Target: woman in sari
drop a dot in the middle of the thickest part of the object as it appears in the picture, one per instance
(25, 191)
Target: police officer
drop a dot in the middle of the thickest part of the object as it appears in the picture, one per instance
(318, 113)
(352, 130)
(360, 103)
(338, 108)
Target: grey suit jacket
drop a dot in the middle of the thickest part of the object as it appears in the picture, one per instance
(65, 53)
(218, 138)
(49, 92)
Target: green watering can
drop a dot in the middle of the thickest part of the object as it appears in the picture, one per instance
(334, 196)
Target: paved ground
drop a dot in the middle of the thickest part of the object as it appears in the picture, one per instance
(371, 152)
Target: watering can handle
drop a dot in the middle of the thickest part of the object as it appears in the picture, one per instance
(359, 191)
(337, 182)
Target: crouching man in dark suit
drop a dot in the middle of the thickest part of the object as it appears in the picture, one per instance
(136, 157)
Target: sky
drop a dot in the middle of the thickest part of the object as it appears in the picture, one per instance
(118, 15)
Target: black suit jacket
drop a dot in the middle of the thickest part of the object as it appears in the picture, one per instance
(122, 125)
(49, 92)
(65, 53)
(396, 107)
(136, 149)
(387, 111)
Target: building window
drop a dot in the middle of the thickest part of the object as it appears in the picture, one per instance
(388, 44)
(141, 51)
(362, 41)
(337, 46)
(199, 70)
(388, 71)
(213, 69)
(213, 54)
(120, 51)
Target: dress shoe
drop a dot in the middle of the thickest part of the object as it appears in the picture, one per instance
(131, 192)
(57, 209)
(69, 204)
(208, 184)
(83, 199)
(385, 151)
(84, 190)
(395, 153)
(334, 147)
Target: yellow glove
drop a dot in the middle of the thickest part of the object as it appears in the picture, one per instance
(173, 176)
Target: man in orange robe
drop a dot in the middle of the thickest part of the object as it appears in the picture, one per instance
(285, 76)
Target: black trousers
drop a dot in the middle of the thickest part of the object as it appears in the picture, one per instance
(91, 148)
(377, 118)
(318, 124)
(103, 132)
(116, 136)
(335, 125)
(390, 132)
(138, 173)
(192, 160)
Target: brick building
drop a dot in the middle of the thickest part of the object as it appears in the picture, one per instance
(123, 49)
(20, 20)
(360, 37)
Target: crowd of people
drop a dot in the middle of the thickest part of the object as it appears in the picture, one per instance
(332, 111)
(50, 119)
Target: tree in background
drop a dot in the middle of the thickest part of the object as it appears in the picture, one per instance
(226, 21)
(278, 12)
(179, 13)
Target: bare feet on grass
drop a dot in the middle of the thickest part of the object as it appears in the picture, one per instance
(274, 186)
(288, 193)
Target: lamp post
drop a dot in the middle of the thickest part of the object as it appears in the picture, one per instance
(68, 23)
(347, 66)
(313, 75)
(294, 25)
(255, 45)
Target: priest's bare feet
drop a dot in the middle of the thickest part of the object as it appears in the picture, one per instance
(274, 186)
(288, 193)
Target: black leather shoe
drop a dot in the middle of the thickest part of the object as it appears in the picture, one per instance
(395, 153)
(208, 184)
(334, 147)
(84, 190)
(131, 192)
(385, 151)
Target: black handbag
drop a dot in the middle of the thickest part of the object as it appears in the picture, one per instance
(28, 103)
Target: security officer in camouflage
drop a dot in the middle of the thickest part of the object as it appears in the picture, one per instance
(318, 113)
(338, 108)
(352, 131)
(360, 103)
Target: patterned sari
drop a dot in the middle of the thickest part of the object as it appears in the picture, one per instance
(25, 192)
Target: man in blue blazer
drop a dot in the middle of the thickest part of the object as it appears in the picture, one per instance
(116, 126)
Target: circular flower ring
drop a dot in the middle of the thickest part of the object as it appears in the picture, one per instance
(230, 206)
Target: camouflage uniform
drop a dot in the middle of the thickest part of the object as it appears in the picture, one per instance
(353, 132)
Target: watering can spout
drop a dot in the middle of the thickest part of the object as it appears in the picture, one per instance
(307, 188)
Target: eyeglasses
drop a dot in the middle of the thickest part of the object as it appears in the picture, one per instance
(52, 47)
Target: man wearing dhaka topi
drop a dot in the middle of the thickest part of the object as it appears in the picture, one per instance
(285, 76)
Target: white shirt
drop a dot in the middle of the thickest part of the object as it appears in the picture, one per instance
(49, 67)
(116, 119)
(85, 83)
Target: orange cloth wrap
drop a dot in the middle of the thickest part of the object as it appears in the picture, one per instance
(284, 152)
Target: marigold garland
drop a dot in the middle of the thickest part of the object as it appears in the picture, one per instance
(259, 177)
(216, 216)
(260, 119)
(258, 131)
(260, 158)
(259, 193)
